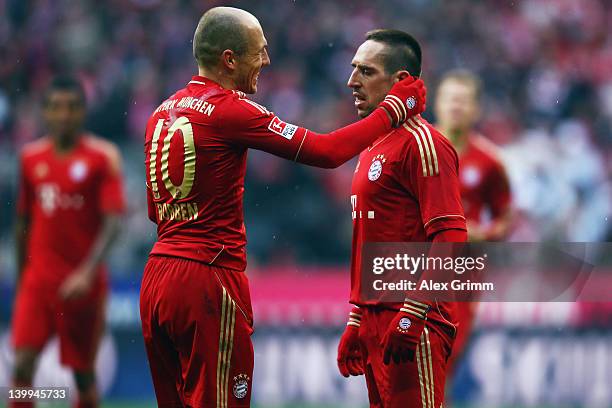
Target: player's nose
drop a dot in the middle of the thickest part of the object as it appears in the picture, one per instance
(63, 115)
(266, 58)
(352, 81)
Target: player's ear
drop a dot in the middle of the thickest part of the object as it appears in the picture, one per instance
(399, 75)
(228, 58)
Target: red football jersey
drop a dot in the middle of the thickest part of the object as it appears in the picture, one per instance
(405, 189)
(195, 155)
(66, 196)
(484, 183)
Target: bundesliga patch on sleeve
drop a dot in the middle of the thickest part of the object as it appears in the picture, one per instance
(284, 129)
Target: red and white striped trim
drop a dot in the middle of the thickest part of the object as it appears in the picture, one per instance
(257, 106)
(354, 319)
(197, 82)
(397, 105)
(433, 148)
(260, 108)
(426, 372)
(427, 149)
(415, 308)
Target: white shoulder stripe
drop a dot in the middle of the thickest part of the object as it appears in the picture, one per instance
(433, 147)
(425, 144)
(430, 148)
(416, 137)
(257, 106)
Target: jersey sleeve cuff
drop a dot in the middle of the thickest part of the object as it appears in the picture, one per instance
(451, 221)
(381, 115)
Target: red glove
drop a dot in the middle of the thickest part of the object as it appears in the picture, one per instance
(349, 349)
(404, 332)
(405, 99)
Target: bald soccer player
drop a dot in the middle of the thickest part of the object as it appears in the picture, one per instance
(195, 303)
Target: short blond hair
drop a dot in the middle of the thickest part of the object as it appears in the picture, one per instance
(466, 77)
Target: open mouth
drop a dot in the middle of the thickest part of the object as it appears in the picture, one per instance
(255, 79)
(360, 100)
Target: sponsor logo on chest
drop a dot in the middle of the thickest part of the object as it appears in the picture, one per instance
(51, 199)
(41, 170)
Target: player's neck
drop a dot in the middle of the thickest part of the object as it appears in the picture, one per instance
(65, 144)
(458, 137)
(218, 77)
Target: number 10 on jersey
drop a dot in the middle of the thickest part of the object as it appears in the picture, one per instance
(189, 160)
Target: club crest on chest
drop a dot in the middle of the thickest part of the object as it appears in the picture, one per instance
(78, 171)
(376, 167)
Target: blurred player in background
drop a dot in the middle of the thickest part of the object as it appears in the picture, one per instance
(485, 188)
(69, 206)
(195, 303)
(405, 189)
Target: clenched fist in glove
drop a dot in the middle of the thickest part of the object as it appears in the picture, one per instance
(350, 361)
(403, 335)
(405, 99)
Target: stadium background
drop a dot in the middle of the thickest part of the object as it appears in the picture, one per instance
(547, 102)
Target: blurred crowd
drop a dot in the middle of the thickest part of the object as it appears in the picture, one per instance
(547, 101)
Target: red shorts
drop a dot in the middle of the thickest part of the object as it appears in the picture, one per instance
(418, 383)
(466, 314)
(197, 323)
(39, 313)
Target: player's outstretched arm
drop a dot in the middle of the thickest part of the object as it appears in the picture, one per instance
(406, 99)
(250, 125)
